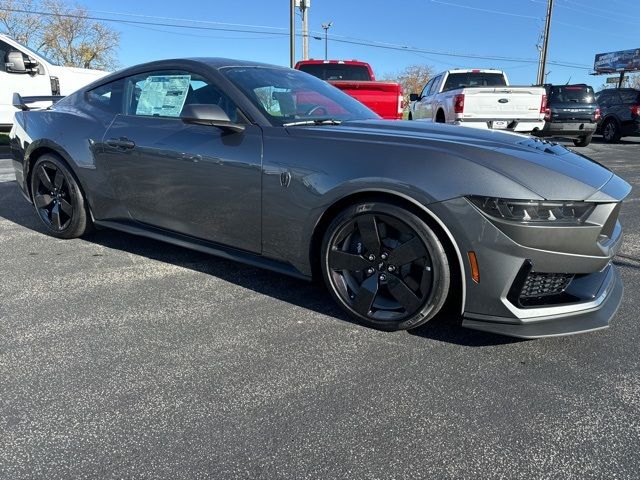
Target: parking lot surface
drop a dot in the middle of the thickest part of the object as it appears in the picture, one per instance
(122, 357)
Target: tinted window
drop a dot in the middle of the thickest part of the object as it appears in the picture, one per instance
(107, 97)
(434, 85)
(608, 97)
(471, 79)
(425, 90)
(630, 96)
(4, 49)
(337, 71)
(285, 95)
(571, 94)
(165, 93)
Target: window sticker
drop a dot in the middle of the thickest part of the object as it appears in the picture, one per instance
(163, 95)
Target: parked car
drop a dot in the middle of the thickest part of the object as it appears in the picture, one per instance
(357, 80)
(397, 217)
(620, 113)
(480, 99)
(29, 73)
(572, 112)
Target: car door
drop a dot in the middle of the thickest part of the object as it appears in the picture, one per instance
(431, 103)
(419, 108)
(197, 180)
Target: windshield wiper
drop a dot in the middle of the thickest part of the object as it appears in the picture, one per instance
(317, 121)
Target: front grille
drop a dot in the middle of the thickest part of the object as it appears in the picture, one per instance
(537, 289)
(539, 285)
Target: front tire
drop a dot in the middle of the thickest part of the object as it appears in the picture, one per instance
(385, 266)
(58, 199)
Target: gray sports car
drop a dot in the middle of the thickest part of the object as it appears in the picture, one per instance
(273, 167)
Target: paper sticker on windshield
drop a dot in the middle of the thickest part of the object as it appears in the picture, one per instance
(163, 95)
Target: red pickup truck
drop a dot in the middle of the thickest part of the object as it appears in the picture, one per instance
(357, 80)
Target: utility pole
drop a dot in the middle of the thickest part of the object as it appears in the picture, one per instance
(304, 6)
(545, 44)
(326, 27)
(292, 33)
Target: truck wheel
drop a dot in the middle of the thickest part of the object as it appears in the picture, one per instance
(410, 117)
(611, 132)
(440, 117)
(583, 141)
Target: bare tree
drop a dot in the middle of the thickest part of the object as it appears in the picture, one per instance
(65, 34)
(413, 78)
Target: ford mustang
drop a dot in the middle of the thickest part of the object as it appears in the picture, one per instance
(276, 168)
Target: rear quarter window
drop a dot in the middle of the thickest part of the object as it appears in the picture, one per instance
(107, 97)
(630, 96)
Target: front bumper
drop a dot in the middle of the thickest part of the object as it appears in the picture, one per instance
(584, 254)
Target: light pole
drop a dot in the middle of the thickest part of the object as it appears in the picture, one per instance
(292, 33)
(545, 44)
(326, 27)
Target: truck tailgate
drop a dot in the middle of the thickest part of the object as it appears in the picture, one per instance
(384, 98)
(508, 103)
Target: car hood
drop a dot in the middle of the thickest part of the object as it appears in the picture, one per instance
(547, 169)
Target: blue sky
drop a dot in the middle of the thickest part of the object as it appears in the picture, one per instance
(504, 28)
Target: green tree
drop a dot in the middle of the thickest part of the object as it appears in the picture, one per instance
(65, 34)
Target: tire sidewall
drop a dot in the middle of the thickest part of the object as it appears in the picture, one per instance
(79, 221)
(440, 263)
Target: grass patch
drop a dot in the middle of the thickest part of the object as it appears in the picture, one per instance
(4, 139)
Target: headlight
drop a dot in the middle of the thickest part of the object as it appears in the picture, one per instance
(533, 211)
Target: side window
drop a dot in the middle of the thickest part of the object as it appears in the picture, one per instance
(107, 97)
(629, 96)
(425, 90)
(434, 85)
(165, 93)
(4, 49)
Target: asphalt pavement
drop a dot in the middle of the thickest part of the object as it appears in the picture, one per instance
(122, 357)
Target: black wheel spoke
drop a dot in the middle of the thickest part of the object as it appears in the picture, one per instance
(366, 295)
(66, 207)
(58, 180)
(339, 260)
(43, 176)
(55, 217)
(403, 294)
(42, 200)
(368, 227)
(408, 252)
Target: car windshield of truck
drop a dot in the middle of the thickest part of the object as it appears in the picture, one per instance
(290, 97)
(571, 94)
(474, 79)
(36, 53)
(337, 71)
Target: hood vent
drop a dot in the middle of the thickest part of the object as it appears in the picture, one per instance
(543, 146)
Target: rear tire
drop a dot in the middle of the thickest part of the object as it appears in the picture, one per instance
(583, 141)
(440, 118)
(410, 117)
(58, 199)
(384, 266)
(611, 131)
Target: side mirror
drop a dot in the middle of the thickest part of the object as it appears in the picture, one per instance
(205, 114)
(17, 62)
(414, 97)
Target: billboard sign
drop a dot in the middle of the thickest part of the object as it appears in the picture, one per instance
(625, 60)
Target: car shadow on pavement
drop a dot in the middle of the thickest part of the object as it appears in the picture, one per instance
(445, 327)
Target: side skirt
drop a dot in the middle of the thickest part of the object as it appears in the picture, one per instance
(143, 230)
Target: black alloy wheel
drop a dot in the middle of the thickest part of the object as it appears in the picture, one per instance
(58, 199)
(385, 266)
(611, 132)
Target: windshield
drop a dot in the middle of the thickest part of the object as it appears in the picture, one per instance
(571, 94)
(337, 71)
(36, 53)
(474, 79)
(287, 96)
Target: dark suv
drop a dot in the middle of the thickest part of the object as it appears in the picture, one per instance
(572, 112)
(620, 113)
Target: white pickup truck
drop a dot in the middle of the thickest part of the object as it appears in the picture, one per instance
(29, 73)
(480, 99)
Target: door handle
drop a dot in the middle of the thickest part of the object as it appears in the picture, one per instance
(123, 143)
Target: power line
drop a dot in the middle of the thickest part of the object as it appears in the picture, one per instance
(334, 38)
(498, 12)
